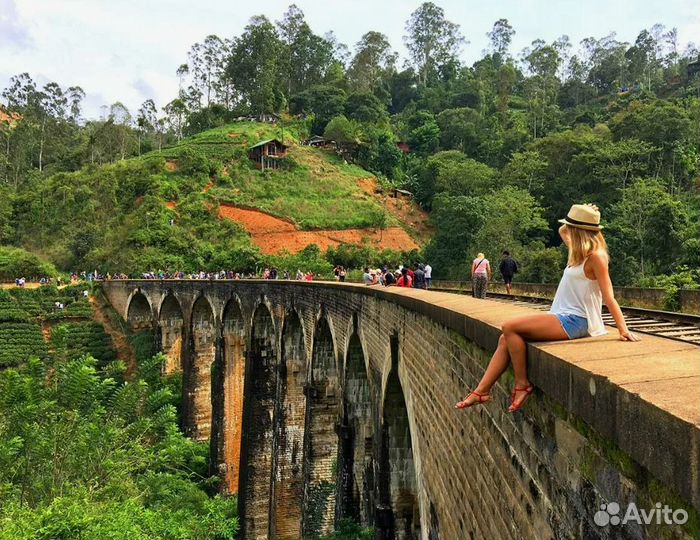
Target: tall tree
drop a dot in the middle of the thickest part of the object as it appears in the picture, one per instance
(432, 41)
(500, 38)
(306, 57)
(255, 65)
(373, 62)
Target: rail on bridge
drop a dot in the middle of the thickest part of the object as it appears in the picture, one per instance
(324, 401)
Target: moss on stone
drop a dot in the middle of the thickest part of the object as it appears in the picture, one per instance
(317, 500)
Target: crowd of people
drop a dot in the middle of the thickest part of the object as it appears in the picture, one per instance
(418, 275)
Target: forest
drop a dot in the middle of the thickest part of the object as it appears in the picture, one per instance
(497, 151)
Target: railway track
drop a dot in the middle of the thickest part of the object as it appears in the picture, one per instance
(677, 326)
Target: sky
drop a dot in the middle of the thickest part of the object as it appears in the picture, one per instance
(128, 50)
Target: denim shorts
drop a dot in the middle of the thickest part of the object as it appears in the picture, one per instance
(574, 325)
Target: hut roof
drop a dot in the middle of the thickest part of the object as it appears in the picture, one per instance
(263, 143)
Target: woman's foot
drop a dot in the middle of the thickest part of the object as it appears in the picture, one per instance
(519, 396)
(473, 398)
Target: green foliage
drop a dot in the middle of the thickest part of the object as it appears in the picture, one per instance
(85, 456)
(649, 224)
(19, 341)
(17, 262)
(342, 131)
(309, 259)
(347, 529)
(354, 256)
(682, 278)
(78, 339)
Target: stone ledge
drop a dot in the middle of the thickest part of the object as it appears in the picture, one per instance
(641, 396)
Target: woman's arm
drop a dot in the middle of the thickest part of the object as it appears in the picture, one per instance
(599, 265)
(472, 273)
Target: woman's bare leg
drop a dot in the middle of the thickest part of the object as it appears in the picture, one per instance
(497, 365)
(545, 327)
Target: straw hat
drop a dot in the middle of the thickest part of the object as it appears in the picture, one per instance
(583, 216)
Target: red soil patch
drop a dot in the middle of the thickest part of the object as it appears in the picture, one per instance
(406, 211)
(255, 222)
(171, 165)
(273, 235)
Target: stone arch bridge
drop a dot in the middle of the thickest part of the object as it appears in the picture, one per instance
(324, 401)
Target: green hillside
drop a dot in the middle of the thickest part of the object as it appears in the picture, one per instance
(117, 217)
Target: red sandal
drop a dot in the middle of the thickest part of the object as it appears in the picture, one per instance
(483, 398)
(528, 391)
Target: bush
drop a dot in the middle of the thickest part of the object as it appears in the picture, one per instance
(19, 341)
(17, 262)
(683, 278)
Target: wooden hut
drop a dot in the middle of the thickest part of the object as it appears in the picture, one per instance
(266, 154)
(317, 141)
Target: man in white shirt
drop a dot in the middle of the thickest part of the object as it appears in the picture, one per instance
(428, 275)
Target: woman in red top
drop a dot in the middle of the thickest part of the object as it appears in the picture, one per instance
(405, 280)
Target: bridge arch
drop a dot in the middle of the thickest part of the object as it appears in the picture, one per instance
(258, 412)
(355, 491)
(139, 311)
(201, 353)
(288, 482)
(170, 328)
(321, 439)
(398, 512)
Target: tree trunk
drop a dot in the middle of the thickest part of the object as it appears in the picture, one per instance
(41, 144)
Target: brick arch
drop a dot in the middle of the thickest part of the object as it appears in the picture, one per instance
(398, 512)
(356, 462)
(228, 390)
(170, 329)
(288, 484)
(258, 410)
(321, 439)
(265, 302)
(139, 311)
(201, 352)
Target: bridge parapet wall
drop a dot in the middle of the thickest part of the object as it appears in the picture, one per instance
(610, 421)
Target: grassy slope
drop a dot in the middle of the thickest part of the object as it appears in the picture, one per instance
(116, 217)
(317, 190)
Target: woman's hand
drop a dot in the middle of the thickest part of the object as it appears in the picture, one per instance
(626, 335)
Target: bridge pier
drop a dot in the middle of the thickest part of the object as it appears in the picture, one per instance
(288, 480)
(258, 407)
(321, 438)
(234, 369)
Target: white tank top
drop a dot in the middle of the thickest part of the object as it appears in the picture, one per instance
(578, 295)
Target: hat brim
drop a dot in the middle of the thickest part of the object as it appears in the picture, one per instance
(585, 227)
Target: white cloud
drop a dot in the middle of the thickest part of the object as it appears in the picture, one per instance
(13, 35)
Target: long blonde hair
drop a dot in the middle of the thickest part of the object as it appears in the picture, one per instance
(583, 242)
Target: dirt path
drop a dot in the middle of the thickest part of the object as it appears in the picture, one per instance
(121, 343)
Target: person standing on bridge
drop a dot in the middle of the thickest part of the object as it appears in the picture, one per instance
(481, 273)
(575, 313)
(508, 269)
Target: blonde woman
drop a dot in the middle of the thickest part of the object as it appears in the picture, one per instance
(481, 274)
(575, 312)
